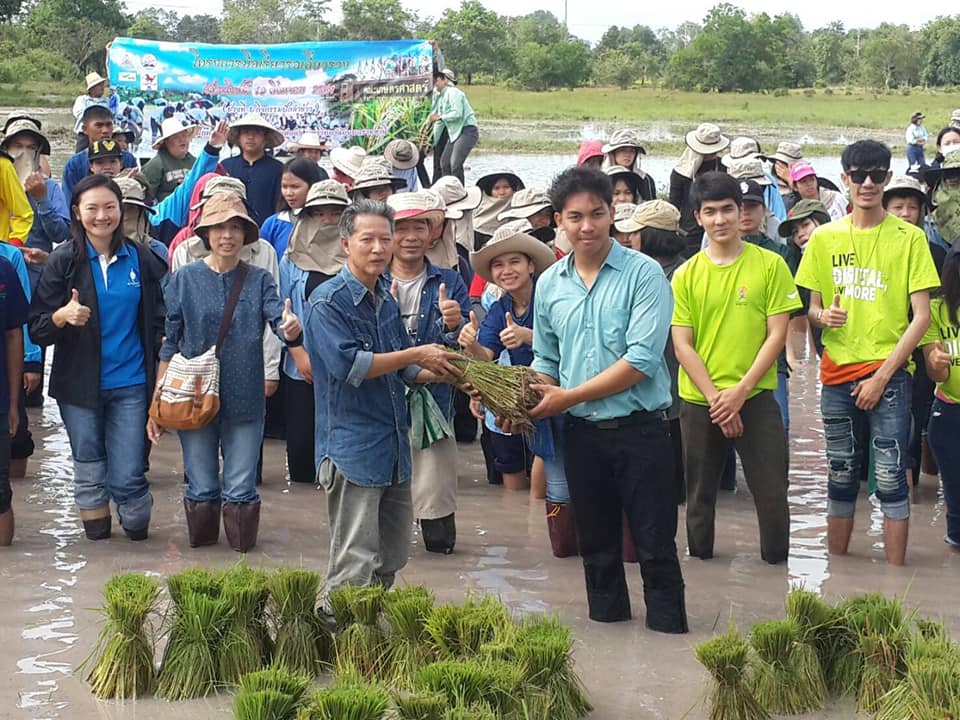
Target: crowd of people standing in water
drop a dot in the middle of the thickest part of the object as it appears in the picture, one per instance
(658, 326)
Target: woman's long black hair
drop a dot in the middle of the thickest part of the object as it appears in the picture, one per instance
(77, 232)
(950, 285)
(305, 169)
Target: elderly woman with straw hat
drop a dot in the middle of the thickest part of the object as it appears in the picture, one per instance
(253, 167)
(704, 144)
(167, 169)
(313, 256)
(197, 297)
(433, 307)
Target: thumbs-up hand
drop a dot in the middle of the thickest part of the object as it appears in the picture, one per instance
(469, 332)
(395, 290)
(449, 309)
(289, 323)
(73, 313)
(833, 316)
(939, 360)
(513, 335)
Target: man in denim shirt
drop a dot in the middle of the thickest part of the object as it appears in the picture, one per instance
(362, 360)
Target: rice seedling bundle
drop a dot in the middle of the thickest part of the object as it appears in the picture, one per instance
(931, 688)
(406, 611)
(785, 675)
(726, 657)
(199, 581)
(355, 604)
(423, 705)
(477, 711)
(246, 643)
(263, 705)
(124, 666)
(279, 679)
(361, 653)
(347, 702)
(190, 667)
(302, 643)
(469, 682)
(504, 389)
(461, 631)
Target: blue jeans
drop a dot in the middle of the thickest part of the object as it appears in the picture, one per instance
(850, 433)
(915, 155)
(557, 489)
(943, 432)
(107, 444)
(782, 396)
(240, 443)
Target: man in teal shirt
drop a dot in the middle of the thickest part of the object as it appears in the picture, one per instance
(452, 112)
(601, 321)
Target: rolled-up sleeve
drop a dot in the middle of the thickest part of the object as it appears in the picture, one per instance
(339, 349)
(649, 324)
(546, 344)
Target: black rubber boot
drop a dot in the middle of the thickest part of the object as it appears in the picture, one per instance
(137, 535)
(98, 529)
(440, 535)
(607, 595)
(666, 610)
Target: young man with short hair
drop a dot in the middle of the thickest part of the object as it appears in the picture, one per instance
(96, 124)
(866, 273)
(732, 305)
(259, 172)
(601, 320)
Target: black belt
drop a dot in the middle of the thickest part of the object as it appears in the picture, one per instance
(640, 417)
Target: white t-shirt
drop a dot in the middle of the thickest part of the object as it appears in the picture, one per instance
(408, 298)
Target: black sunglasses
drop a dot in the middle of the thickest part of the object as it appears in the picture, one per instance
(876, 175)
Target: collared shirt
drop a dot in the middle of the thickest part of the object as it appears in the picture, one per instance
(296, 286)
(914, 133)
(362, 424)
(579, 333)
(117, 281)
(262, 180)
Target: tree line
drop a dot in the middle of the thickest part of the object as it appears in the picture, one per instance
(729, 50)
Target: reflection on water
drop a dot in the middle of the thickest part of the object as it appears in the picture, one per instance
(496, 575)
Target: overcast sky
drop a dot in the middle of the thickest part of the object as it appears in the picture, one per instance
(590, 18)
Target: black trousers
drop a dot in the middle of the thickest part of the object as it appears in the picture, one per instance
(300, 421)
(626, 468)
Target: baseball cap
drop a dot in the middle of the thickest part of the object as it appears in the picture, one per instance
(752, 192)
(801, 169)
(103, 149)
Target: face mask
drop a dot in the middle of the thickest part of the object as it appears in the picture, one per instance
(947, 212)
(134, 225)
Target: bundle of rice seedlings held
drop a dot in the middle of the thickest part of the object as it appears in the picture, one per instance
(504, 389)
(931, 688)
(124, 664)
(347, 702)
(726, 657)
(785, 675)
(270, 694)
(407, 610)
(246, 643)
(359, 644)
(302, 643)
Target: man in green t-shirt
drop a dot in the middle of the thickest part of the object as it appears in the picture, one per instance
(732, 303)
(870, 276)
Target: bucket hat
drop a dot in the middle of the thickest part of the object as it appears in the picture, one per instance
(456, 198)
(801, 211)
(376, 172)
(589, 149)
(327, 192)
(134, 193)
(219, 184)
(787, 152)
(524, 203)
(801, 169)
(26, 125)
(402, 154)
(658, 214)
(955, 118)
(225, 206)
(19, 115)
(308, 141)
(707, 139)
(507, 239)
(741, 148)
(623, 138)
(749, 168)
(273, 137)
(485, 182)
(348, 160)
(621, 215)
(905, 185)
(93, 79)
(171, 127)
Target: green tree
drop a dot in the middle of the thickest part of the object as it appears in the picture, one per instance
(617, 68)
(76, 29)
(198, 28)
(540, 27)
(889, 58)
(561, 64)
(154, 24)
(831, 57)
(376, 20)
(255, 21)
(9, 9)
(473, 39)
(941, 64)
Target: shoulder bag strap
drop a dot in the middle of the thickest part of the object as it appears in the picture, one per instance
(231, 305)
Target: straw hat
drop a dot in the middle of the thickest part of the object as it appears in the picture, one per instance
(787, 152)
(308, 141)
(273, 137)
(26, 125)
(422, 204)
(348, 160)
(657, 214)
(707, 139)
(133, 193)
(507, 239)
(171, 127)
(801, 211)
(485, 182)
(624, 138)
(402, 154)
(93, 79)
(524, 203)
(749, 168)
(456, 198)
(741, 148)
(376, 172)
(327, 192)
(621, 214)
(226, 206)
(902, 185)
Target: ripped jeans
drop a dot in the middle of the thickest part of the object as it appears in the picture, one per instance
(851, 432)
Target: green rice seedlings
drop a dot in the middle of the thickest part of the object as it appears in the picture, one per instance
(302, 643)
(347, 702)
(246, 643)
(468, 682)
(200, 581)
(360, 652)
(461, 631)
(504, 389)
(189, 667)
(931, 688)
(355, 604)
(476, 711)
(542, 648)
(279, 679)
(785, 676)
(124, 665)
(406, 611)
(725, 657)
(263, 705)
(423, 705)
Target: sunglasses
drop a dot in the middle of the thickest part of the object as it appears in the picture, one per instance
(876, 175)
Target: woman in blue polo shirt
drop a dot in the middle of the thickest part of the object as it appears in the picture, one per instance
(99, 302)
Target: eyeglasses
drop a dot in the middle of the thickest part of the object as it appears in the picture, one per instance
(876, 175)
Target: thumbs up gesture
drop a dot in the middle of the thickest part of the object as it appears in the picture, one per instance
(449, 309)
(939, 360)
(289, 323)
(395, 290)
(833, 316)
(513, 336)
(74, 313)
(469, 332)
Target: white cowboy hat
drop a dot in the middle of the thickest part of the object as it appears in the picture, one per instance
(171, 127)
(93, 79)
(348, 160)
(508, 239)
(273, 136)
(308, 141)
(456, 198)
(707, 139)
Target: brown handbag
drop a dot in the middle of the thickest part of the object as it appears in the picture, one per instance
(187, 397)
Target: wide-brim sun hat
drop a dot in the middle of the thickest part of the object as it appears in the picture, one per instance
(525, 203)
(801, 211)
(741, 148)
(327, 192)
(507, 239)
(949, 166)
(901, 185)
(402, 154)
(616, 172)
(219, 184)
(707, 139)
(376, 172)
(749, 168)
(485, 182)
(308, 141)
(134, 193)
(272, 137)
(348, 160)
(417, 205)
(221, 208)
(787, 152)
(456, 198)
(26, 125)
(171, 127)
(624, 138)
(657, 214)
(93, 79)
